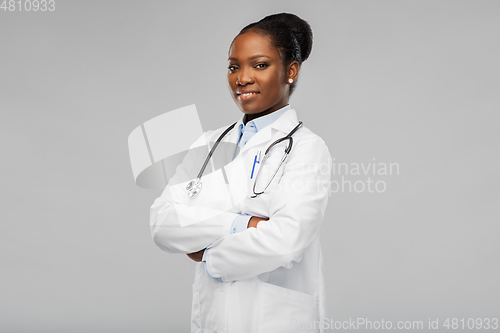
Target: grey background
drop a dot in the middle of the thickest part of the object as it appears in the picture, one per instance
(408, 82)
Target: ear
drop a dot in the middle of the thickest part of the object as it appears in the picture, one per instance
(293, 71)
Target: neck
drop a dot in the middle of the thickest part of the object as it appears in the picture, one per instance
(249, 117)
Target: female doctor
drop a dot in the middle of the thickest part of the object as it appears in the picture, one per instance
(253, 225)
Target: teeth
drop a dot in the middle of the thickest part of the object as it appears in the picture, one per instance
(247, 94)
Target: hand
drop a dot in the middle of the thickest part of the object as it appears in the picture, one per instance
(254, 220)
(196, 256)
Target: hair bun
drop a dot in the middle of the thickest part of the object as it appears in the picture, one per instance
(300, 29)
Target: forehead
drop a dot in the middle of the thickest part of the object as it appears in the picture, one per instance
(252, 43)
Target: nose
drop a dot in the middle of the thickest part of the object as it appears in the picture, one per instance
(245, 76)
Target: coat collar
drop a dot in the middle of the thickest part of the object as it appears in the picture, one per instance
(284, 124)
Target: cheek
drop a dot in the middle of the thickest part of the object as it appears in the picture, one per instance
(272, 82)
(231, 82)
(274, 87)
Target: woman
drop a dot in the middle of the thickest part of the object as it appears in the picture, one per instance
(255, 241)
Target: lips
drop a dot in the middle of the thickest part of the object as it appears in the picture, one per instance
(246, 95)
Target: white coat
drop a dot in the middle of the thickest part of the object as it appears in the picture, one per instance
(272, 275)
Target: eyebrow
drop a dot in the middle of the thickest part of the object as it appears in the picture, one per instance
(251, 58)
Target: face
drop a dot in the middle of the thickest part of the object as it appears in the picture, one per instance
(256, 76)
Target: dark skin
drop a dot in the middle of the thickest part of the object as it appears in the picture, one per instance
(252, 223)
(255, 66)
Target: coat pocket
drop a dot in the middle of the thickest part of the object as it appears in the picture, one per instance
(286, 310)
(196, 310)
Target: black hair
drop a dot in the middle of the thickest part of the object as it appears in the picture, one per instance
(290, 34)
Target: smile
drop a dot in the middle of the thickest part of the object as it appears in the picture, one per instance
(247, 96)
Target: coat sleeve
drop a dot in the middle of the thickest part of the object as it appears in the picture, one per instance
(296, 212)
(180, 224)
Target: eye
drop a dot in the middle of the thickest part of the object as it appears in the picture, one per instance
(232, 68)
(262, 65)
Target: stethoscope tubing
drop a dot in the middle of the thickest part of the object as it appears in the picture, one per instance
(197, 183)
(213, 149)
(287, 151)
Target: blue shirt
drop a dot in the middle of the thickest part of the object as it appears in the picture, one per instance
(247, 131)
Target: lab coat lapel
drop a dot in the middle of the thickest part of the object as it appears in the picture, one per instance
(232, 140)
(286, 122)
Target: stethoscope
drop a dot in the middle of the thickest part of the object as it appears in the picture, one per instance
(194, 186)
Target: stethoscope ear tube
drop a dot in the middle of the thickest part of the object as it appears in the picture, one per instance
(287, 151)
(194, 186)
(287, 137)
(213, 149)
(295, 129)
(288, 148)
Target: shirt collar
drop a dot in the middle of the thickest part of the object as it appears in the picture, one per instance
(261, 122)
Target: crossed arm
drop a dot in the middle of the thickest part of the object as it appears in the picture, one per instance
(252, 223)
(295, 215)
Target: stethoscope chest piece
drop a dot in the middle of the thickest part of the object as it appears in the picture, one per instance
(193, 187)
